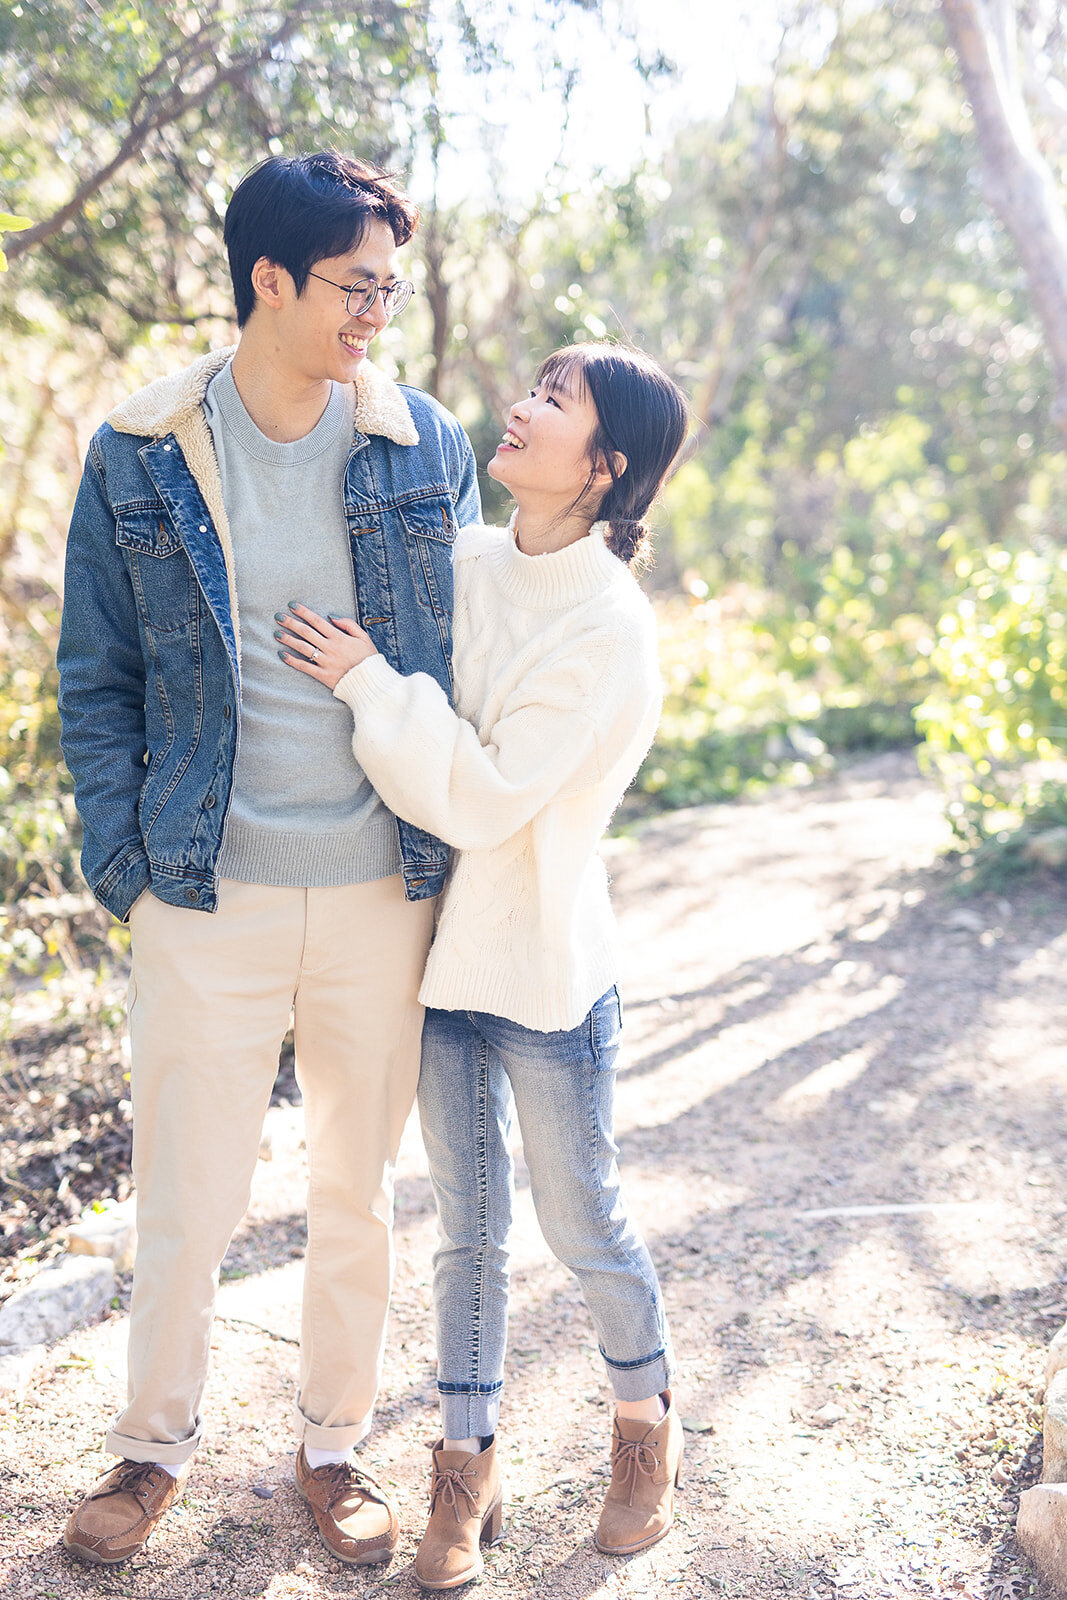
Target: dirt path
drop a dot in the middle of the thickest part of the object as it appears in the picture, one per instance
(842, 1126)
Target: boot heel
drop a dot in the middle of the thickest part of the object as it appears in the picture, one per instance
(492, 1523)
(679, 1475)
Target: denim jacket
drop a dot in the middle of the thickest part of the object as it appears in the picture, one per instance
(150, 646)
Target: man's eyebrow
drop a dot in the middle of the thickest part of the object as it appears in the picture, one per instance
(354, 274)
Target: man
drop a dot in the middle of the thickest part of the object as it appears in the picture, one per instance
(225, 817)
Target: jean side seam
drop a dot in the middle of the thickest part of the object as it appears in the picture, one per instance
(474, 1367)
(616, 1231)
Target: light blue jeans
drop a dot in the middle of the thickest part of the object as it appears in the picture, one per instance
(477, 1069)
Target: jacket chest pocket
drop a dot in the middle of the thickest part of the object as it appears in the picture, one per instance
(430, 532)
(159, 569)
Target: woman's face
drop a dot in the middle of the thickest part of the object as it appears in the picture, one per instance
(544, 453)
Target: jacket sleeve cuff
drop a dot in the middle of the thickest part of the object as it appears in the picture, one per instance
(124, 882)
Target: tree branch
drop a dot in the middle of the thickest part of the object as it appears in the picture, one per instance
(160, 111)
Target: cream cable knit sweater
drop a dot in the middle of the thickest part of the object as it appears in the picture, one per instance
(557, 699)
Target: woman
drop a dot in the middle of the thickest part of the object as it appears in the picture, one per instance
(557, 696)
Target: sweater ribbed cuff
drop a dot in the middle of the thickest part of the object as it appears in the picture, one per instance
(373, 682)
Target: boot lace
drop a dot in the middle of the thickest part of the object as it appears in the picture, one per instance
(450, 1482)
(633, 1457)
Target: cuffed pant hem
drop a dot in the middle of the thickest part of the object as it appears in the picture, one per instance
(640, 1382)
(469, 1416)
(320, 1437)
(169, 1455)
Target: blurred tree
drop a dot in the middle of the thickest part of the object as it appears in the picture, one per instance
(996, 66)
(125, 125)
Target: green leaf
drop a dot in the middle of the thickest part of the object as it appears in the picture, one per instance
(11, 224)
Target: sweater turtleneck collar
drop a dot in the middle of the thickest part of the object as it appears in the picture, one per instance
(558, 579)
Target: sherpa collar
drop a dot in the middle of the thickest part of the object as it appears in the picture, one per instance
(163, 406)
(174, 405)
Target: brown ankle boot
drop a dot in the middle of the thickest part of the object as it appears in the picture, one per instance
(646, 1468)
(465, 1512)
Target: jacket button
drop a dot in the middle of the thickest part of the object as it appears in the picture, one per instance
(203, 527)
(192, 895)
(209, 802)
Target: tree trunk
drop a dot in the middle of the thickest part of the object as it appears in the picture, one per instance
(1018, 181)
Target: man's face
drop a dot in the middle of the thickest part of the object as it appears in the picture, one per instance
(316, 336)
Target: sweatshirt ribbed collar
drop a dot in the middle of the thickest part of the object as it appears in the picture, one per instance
(561, 578)
(340, 409)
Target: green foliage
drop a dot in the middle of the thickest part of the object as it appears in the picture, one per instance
(736, 719)
(36, 814)
(38, 826)
(11, 224)
(996, 721)
(1038, 842)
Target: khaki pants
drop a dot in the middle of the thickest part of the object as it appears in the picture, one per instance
(210, 1000)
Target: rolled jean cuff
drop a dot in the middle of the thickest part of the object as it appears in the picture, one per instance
(467, 1414)
(168, 1455)
(640, 1380)
(321, 1437)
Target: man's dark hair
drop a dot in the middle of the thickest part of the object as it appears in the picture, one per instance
(297, 210)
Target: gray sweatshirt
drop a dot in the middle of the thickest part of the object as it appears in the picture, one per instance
(303, 813)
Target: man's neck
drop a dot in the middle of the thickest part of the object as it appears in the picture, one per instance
(283, 404)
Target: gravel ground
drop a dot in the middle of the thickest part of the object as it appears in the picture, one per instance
(842, 1126)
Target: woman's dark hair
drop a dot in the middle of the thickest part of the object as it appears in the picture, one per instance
(297, 210)
(641, 414)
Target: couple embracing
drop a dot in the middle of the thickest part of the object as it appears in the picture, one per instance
(278, 522)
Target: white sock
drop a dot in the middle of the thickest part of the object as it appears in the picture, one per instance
(324, 1458)
(170, 1467)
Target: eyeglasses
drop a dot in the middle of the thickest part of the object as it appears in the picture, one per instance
(359, 297)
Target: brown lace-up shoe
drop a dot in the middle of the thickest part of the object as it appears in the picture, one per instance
(646, 1468)
(466, 1511)
(354, 1514)
(115, 1519)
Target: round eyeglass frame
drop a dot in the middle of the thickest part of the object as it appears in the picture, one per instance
(395, 296)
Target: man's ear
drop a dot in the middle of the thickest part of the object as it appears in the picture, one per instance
(272, 283)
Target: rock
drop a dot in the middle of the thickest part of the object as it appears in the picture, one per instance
(111, 1233)
(1057, 1354)
(63, 1295)
(1041, 1528)
(17, 1369)
(1047, 849)
(828, 1414)
(1054, 1461)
